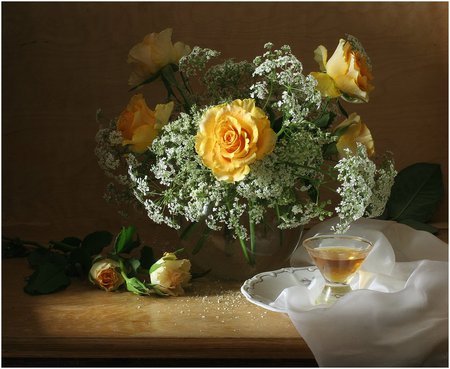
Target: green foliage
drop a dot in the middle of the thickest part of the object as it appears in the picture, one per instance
(57, 262)
(325, 120)
(125, 241)
(48, 277)
(415, 196)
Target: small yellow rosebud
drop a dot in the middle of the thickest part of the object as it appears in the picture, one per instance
(106, 274)
(139, 125)
(172, 275)
(153, 53)
(348, 71)
(355, 131)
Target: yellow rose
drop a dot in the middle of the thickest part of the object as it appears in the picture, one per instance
(347, 72)
(139, 125)
(153, 53)
(354, 131)
(232, 136)
(106, 274)
(171, 275)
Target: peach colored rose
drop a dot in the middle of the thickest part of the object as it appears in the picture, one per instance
(153, 53)
(354, 131)
(139, 125)
(106, 274)
(347, 72)
(171, 275)
(232, 136)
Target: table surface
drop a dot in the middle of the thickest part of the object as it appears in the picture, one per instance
(213, 321)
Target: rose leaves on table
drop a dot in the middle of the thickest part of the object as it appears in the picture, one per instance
(57, 262)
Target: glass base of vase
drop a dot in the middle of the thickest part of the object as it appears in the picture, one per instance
(223, 256)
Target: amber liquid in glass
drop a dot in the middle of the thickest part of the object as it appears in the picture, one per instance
(338, 263)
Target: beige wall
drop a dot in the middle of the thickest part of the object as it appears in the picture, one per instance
(62, 61)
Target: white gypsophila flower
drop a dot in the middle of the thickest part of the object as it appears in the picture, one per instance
(302, 214)
(295, 95)
(106, 159)
(385, 177)
(356, 174)
(227, 81)
(195, 62)
(115, 138)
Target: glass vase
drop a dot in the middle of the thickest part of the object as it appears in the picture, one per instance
(227, 258)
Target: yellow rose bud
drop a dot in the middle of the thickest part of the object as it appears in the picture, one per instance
(354, 131)
(106, 274)
(171, 275)
(153, 53)
(139, 125)
(232, 136)
(348, 71)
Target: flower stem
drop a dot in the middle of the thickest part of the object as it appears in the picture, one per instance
(252, 238)
(248, 258)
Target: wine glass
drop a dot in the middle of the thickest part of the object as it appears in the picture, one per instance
(338, 258)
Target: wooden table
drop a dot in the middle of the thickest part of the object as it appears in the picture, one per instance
(213, 324)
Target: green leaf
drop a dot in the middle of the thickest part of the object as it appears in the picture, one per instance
(46, 279)
(40, 256)
(330, 150)
(147, 257)
(325, 120)
(124, 241)
(154, 267)
(13, 248)
(95, 242)
(135, 286)
(80, 260)
(416, 193)
(135, 264)
(72, 241)
(419, 225)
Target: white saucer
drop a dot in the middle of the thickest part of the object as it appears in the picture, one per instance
(264, 288)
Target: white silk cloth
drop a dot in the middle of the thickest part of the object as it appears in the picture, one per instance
(397, 314)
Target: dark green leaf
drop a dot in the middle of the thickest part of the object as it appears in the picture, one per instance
(41, 256)
(330, 150)
(46, 279)
(95, 242)
(419, 225)
(125, 242)
(416, 193)
(325, 120)
(135, 264)
(80, 260)
(147, 257)
(13, 248)
(72, 241)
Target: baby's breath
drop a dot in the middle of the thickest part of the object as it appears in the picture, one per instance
(171, 183)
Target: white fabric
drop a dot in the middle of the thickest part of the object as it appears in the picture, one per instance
(398, 316)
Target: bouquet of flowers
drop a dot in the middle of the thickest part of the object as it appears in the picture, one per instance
(234, 140)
